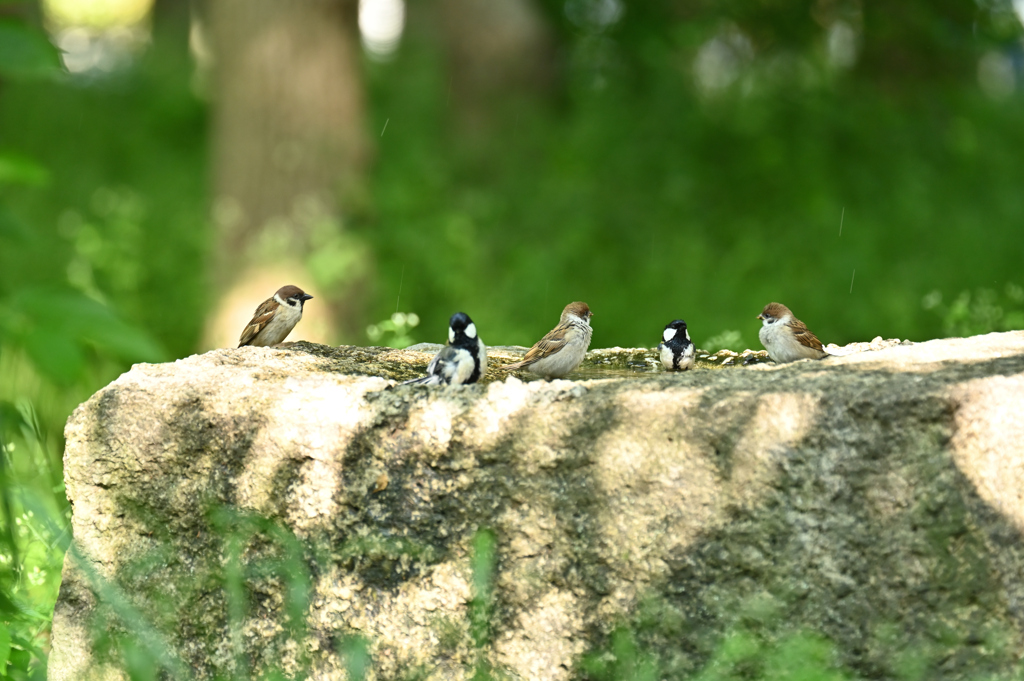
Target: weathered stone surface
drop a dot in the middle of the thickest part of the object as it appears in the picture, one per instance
(875, 499)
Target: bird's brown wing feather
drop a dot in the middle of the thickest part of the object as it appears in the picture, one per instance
(554, 341)
(264, 313)
(804, 336)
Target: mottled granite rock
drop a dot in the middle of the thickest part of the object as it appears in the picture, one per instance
(874, 498)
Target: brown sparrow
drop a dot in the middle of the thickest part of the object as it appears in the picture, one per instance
(785, 337)
(275, 318)
(563, 348)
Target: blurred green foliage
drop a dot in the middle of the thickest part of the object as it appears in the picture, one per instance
(394, 332)
(761, 645)
(481, 607)
(122, 218)
(644, 196)
(740, 656)
(62, 331)
(25, 52)
(982, 311)
(31, 551)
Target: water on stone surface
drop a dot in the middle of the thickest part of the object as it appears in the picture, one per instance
(645, 363)
(605, 363)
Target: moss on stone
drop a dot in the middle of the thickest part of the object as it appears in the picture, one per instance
(856, 512)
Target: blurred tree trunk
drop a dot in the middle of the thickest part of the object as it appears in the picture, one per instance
(911, 43)
(288, 145)
(496, 48)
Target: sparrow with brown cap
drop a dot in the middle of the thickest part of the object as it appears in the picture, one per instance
(275, 318)
(785, 337)
(563, 348)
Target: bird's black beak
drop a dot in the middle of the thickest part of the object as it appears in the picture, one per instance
(306, 296)
(760, 316)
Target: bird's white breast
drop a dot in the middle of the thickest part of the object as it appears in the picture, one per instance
(686, 360)
(782, 347)
(666, 354)
(482, 353)
(278, 328)
(464, 366)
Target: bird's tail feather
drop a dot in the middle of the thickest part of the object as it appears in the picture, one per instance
(423, 380)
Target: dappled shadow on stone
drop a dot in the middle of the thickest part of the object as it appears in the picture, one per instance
(864, 501)
(870, 536)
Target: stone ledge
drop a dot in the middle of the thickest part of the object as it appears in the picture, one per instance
(865, 497)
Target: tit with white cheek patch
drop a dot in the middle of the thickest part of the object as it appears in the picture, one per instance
(785, 337)
(675, 348)
(462, 361)
(275, 318)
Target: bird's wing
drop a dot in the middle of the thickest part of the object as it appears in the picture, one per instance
(423, 380)
(453, 365)
(444, 364)
(440, 370)
(804, 336)
(264, 313)
(554, 341)
(446, 368)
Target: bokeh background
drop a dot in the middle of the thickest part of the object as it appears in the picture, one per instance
(166, 165)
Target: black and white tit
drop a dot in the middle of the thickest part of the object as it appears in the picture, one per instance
(275, 318)
(463, 360)
(785, 337)
(675, 348)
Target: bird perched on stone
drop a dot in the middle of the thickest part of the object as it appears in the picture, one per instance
(463, 360)
(785, 337)
(675, 348)
(563, 348)
(275, 318)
